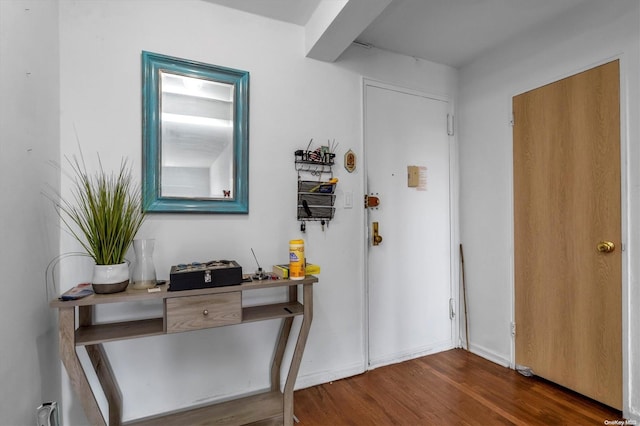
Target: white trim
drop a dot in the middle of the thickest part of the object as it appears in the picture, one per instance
(413, 354)
(491, 356)
(400, 89)
(315, 379)
(365, 237)
(454, 225)
(625, 197)
(624, 210)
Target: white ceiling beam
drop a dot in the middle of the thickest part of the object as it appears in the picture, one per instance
(336, 23)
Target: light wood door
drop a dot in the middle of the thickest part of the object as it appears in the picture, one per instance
(566, 148)
(409, 284)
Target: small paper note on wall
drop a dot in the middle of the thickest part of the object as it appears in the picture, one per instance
(417, 177)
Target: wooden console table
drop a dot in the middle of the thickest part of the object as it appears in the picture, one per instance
(186, 311)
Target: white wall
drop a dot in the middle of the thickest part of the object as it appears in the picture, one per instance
(293, 99)
(29, 105)
(583, 38)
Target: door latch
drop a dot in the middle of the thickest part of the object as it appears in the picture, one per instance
(377, 238)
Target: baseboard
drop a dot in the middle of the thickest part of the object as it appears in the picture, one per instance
(306, 381)
(490, 355)
(632, 416)
(416, 353)
(314, 379)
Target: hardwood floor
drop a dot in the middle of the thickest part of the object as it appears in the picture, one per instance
(449, 388)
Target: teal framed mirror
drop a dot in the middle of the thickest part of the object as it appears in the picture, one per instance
(195, 131)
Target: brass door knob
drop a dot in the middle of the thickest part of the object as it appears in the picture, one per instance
(606, 246)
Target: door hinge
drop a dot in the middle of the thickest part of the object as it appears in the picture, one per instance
(450, 126)
(513, 329)
(512, 120)
(452, 312)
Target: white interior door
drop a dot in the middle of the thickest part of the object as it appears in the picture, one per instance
(409, 272)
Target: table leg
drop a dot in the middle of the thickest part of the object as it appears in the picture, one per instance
(103, 370)
(79, 382)
(281, 345)
(107, 381)
(276, 365)
(297, 353)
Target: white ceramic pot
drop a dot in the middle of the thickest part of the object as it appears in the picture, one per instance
(110, 278)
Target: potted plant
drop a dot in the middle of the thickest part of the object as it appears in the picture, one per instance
(104, 214)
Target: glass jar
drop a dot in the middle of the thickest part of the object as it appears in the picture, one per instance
(143, 275)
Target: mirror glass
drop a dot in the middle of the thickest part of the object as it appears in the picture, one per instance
(195, 136)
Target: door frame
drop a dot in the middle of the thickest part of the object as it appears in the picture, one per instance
(624, 209)
(454, 269)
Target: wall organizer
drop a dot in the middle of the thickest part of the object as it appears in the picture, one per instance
(316, 198)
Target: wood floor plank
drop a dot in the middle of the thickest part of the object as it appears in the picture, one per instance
(450, 388)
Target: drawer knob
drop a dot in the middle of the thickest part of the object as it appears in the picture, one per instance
(205, 312)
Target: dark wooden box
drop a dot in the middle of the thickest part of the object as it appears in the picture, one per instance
(217, 273)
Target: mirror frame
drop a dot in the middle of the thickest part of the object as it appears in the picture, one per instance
(153, 201)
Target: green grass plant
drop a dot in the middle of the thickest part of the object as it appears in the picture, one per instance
(104, 212)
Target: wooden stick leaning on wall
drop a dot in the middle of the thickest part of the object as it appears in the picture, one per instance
(464, 296)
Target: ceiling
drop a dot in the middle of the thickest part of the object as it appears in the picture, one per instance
(451, 32)
(292, 11)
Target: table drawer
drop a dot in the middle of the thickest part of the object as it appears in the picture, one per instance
(197, 312)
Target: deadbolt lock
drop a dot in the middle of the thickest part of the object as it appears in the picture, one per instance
(606, 246)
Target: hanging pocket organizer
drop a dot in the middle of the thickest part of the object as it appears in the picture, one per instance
(315, 200)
